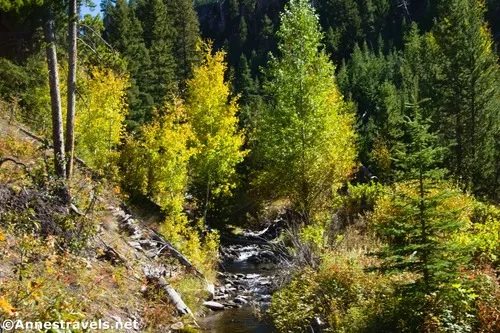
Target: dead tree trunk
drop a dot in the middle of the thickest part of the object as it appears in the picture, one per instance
(70, 116)
(55, 95)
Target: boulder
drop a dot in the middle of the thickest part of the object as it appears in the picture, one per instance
(213, 305)
(211, 289)
(240, 300)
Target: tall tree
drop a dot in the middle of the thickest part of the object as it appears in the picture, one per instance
(99, 122)
(123, 31)
(212, 114)
(156, 165)
(158, 38)
(469, 106)
(55, 94)
(343, 29)
(306, 137)
(369, 79)
(419, 226)
(186, 35)
(70, 114)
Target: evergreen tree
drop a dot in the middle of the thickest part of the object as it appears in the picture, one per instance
(250, 100)
(243, 33)
(373, 18)
(244, 82)
(124, 32)
(266, 38)
(158, 36)
(371, 80)
(419, 229)
(343, 29)
(306, 138)
(469, 103)
(186, 35)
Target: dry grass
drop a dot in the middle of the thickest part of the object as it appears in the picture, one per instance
(45, 276)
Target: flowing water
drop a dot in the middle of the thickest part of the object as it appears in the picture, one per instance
(246, 284)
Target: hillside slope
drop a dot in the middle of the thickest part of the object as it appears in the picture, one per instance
(88, 261)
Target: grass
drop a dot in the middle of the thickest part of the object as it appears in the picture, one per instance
(59, 270)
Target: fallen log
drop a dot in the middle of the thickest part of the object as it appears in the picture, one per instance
(173, 295)
(165, 245)
(175, 253)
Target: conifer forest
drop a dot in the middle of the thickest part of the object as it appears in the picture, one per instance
(250, 166)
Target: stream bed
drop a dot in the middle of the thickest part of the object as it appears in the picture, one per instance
(245, 285)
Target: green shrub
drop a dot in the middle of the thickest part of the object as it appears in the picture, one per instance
(341, 294)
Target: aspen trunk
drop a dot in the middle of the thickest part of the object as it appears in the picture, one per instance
(55, 95)
(70, 116)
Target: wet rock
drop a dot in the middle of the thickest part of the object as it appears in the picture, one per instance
(263, 257)
(211, 289)
(240, 300)
(252, 276)
(232, 305)
(213, 305)
(221, 297)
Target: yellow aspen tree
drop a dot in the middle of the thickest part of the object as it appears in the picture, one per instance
(212, 114)
(100, 116)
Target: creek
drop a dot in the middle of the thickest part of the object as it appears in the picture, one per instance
(246, 281)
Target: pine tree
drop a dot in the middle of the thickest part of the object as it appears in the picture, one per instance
(186, 35)
(306, 138)
(419, 227)
(266, 37)
(469, 104)
(243, 32)
(343, 30)
(244, 82)
(158, 39)
(124, 32)
(369, 79)
(250, 100)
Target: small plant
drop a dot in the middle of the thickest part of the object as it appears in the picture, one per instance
(199, 244)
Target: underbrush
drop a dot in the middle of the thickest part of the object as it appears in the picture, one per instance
(344, 295)
(349, 291)
(45, 283)
(53, 266)
(196, 242)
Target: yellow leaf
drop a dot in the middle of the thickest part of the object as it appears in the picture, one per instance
(6, 307)
(2, 236)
